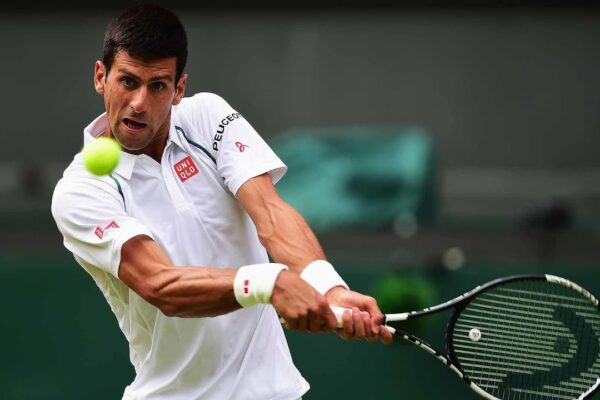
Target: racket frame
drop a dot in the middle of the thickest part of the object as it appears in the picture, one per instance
(459, 303)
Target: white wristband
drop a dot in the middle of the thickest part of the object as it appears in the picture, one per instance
(253, 284)
(322, 276)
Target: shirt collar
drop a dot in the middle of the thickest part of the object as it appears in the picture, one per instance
(98, 126)
(174, 136)
(127, 162)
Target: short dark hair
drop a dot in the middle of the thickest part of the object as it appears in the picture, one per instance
(148, 32)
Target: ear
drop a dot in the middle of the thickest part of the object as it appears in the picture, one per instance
(99, 77)
(180, 89)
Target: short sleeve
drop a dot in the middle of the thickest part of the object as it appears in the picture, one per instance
(240, 152)
(92, 218)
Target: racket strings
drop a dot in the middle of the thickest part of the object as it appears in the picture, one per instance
(538, 340)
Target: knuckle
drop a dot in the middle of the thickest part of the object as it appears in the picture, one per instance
(322, 302)
(304, 313)
(293, 316)
(315, 309)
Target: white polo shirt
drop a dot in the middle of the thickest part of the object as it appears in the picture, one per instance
(187, 205)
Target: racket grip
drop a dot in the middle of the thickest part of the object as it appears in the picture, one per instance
(337, 311)
(339, 314)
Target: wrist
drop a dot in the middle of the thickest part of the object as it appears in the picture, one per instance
(321, 275)
(253, 284)
(335, 292)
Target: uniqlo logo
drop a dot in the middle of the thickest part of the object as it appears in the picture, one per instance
(185, 169)
(100, 232)
(246, 285)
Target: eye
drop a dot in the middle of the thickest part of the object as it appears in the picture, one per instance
(127, 81)
(158, 86)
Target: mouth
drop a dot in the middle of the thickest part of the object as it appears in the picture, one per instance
(133, 125)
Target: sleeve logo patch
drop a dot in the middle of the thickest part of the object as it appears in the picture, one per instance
(221, 129)
(241, 146)
(100, 232)
(185, 169)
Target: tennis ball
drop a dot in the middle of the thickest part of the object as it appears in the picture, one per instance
(101, 156)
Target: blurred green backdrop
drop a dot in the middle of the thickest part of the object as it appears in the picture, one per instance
(507, 92)
(60, 340)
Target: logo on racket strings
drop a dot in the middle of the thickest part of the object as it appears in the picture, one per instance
(475, 334)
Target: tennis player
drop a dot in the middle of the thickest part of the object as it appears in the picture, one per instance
(176, 238)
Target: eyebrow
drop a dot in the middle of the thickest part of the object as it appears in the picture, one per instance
(165, 77)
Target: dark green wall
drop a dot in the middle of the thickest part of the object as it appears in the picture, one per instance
(59, 339)
(505, 87)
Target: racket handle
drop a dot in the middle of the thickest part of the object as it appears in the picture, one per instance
(339, 314)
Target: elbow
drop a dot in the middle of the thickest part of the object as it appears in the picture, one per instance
(169, 310)
(164, 304)
(156, 293)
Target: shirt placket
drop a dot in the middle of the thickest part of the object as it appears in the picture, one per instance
(178, 198)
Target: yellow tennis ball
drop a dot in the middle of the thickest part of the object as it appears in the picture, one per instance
(101, 156)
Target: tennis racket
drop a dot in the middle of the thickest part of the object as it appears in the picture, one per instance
(520, 337)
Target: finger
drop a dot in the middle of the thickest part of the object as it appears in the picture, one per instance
(291, 323)
(366, 321)
(329, 320)
(302, 324)
(385, 335)
(314, 322)
(348, 328)
(371, 336)
(359, 325)
(376, 315)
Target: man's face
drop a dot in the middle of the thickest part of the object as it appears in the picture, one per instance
(138, 96)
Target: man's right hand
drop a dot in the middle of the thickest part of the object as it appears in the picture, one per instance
(302, 307)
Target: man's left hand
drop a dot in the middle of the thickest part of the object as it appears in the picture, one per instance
(365, 320)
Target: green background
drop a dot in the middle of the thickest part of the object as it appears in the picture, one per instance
(60, 340)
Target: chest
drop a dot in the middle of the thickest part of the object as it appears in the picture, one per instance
(185, 204)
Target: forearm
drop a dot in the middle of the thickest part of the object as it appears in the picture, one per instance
(288, 238)
(176, 291)
(290, 241)
(194, 292)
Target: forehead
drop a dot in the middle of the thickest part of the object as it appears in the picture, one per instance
(123, 62)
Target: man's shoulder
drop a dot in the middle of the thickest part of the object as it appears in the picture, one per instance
(200, 102)
(199, 115)
(76, 178)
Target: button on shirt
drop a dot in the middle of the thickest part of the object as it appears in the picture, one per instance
(187, 204)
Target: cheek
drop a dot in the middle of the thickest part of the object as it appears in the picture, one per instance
(162, 108)
(115, 100)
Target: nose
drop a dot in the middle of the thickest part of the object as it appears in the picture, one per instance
(139, 99)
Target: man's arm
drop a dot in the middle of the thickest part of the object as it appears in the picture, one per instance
(290, 241)
(281, 229)
(206, 292)
(176, 291)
